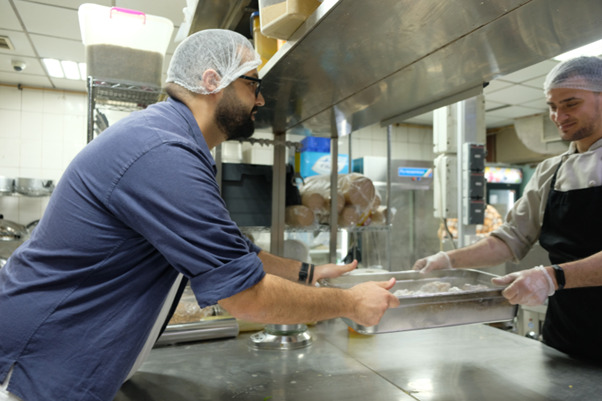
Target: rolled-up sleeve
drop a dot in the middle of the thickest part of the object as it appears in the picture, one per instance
(170, 196)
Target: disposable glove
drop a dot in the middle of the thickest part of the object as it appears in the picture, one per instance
(528, 287)
(437, 261)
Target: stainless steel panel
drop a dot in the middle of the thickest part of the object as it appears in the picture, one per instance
(225, 14)
(468, 363)
(437, 309)
(395, 58)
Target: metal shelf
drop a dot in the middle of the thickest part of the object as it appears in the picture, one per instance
(120, 96)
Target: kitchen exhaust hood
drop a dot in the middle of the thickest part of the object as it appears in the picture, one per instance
(384, 61)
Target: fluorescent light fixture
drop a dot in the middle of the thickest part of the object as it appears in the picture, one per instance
(593, 49)
(71, 69)
(53, 67)
(65, 69)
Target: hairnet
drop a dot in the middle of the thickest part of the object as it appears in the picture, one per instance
(578, 73)
(229, 53)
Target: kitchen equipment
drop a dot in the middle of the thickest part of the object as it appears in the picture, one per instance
(503, 186)
(7, 185)
(12, 235)
(282, 337)
(124, 45)
(219, 327)
(281, 18)
(11, 231)
(34, 186)
(484, 304)
(266, 47)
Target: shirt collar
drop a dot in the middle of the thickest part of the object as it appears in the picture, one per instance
(197, 135)
(573, 148)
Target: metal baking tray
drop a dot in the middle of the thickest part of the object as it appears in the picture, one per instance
(442, 309)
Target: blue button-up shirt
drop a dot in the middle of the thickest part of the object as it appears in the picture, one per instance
(137, 205)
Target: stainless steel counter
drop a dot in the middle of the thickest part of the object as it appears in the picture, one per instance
(473, 362)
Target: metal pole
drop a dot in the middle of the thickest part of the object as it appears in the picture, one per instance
(388, 215)
(334, 168)
(91, 106)
(278, 194)
(460, 137)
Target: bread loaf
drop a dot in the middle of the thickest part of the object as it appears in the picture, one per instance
(340, 203)
(349, 216)
(314, 201)
(357, 189)
(298, 216)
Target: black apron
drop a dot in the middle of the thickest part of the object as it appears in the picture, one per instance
(572, 230)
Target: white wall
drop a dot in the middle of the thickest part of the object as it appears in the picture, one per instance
(40, 133)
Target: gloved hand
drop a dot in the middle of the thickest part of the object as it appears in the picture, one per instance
(437, 261)
(528, 287)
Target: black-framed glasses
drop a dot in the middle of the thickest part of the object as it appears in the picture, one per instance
(256, 81)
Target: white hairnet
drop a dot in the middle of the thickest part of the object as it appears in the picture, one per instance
(229, 53)
(578, 73)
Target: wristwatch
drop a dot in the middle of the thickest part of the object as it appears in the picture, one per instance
(303, 272)
(560, 279)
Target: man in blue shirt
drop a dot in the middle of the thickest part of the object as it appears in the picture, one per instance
(137, 207)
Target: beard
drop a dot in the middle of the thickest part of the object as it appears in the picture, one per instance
(233, 119)
(588, 129)
(590, 125)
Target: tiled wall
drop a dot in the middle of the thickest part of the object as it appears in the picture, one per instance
(408, 142)
(40, 132)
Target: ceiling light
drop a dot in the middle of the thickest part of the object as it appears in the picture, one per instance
(70, 69)
(65, 69)
(593, 49)
(53, 67)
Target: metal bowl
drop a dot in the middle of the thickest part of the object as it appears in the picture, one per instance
(7, 185)
(34, 186)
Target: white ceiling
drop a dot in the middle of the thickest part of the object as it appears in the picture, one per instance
(50, 28)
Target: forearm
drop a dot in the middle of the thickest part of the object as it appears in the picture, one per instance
(278, 301)
(489, 251)
(581, 273)
(281, 267)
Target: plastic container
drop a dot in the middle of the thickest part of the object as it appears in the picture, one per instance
(266, 47)
(281, 18)
(315, 144)
(124, 45)
(316, 163)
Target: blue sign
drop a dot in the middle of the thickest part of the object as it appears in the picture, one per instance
(414, 172)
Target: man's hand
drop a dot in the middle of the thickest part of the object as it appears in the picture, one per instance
(331, 270)
(372, 299)
(437, 261)
(528, 287)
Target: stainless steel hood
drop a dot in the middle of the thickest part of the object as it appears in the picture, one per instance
(388, 60)
(224, 14)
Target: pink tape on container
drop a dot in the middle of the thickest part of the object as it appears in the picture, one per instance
(128, 11)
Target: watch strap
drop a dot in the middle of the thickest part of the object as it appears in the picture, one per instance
(560, 279)
(303, 272)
